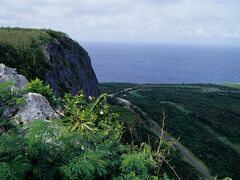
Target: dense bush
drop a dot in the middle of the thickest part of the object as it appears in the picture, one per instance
(28, 61)
(140, 163)
(9, 98)
(37, 86)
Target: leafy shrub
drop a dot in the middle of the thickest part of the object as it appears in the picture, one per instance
(82, 115)
(89, 165)
(14, 169)
(50, 148)
(8, 95)
(9, 98)
(13, 163)
(140, 163)
(37, 86)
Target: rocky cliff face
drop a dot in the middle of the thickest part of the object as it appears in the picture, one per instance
(51, 56)
(70, 68)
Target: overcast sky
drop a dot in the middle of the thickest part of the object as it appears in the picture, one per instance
(191, 21)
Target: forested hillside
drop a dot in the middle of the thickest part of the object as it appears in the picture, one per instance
(205, 118)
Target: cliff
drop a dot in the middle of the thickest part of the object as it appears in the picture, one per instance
(51, 56)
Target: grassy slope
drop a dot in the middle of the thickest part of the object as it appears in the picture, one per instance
(206, 118)
(23, 38)
(22, 49)
(236, 86)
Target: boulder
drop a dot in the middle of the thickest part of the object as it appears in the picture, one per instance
(10, 74)
(18, 82)
(36, 107)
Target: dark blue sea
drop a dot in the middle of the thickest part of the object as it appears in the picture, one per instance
(159, 63)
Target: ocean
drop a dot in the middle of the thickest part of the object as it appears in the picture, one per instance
(164, 63)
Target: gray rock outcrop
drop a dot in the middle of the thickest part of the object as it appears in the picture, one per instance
(36, 107)
(10, 74)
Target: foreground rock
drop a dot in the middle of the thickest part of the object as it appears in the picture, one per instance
(36, 107)
(10, 74)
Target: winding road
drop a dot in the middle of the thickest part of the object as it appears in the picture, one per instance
(187, 155)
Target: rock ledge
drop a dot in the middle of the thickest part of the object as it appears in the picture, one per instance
(36, 107)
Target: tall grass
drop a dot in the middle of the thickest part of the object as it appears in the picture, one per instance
(23, 38)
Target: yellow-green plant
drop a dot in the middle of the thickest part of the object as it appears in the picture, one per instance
(82, 114)
(37, 86)
(139, 163)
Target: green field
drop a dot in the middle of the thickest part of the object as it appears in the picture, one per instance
(236, 86)
(205, 117)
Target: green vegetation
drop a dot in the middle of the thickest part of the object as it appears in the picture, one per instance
(136, 131)
(205, 117)
(91, 141)
(37, 86)
(22, 49)
(236, 86)
(22, 38)
(85, 143)
(114, 87)
(8, 98)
